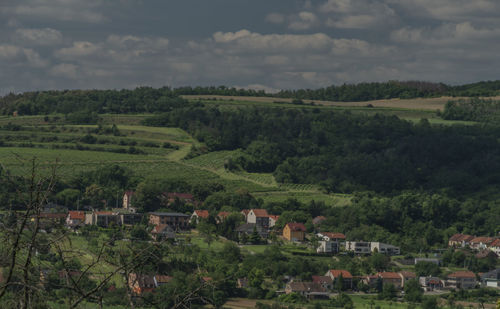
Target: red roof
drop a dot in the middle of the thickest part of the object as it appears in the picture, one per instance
(223, 214)
(334, 235)
(274, 217)
(389, 275)
(202, 213)
(337, 272)
(260, 212)
(484, 240)
(245, 211)
(296, 227)
(461, 237)
(462, 274)
(496, 243)
(77, 215)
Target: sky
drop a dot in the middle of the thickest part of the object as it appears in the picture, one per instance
(256, 44)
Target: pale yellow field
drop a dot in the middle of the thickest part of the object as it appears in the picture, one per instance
(430, 104)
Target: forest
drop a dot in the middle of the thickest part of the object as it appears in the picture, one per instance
(347, 152)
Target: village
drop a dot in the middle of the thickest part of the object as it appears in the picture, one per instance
(259, 227)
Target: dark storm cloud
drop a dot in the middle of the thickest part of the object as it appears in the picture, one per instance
(272, 44)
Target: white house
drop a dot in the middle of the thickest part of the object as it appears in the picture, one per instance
(327, 246)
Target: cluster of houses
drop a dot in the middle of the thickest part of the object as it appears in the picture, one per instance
(322, 286)
(476, 243)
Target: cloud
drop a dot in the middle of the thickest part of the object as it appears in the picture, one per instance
(357, 14)
(88, 11)
(20, 55)
(304, 21)
(449, 9)
(79, 49)
(45, 36)
(275, 18)
(460, 33)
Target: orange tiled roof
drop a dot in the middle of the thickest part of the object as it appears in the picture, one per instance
(297, 226)
(462, 274)
(338, 272)
(77, 215)
(389, 275)
(260, 212)
(202, 213)
(334, 235)
(484, 240)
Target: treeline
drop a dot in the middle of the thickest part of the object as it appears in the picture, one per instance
(480, 110)
(88, 103)
(347, 152)
(150, 100)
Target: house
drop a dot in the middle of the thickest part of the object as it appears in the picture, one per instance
(461, 280)
(480, 243)
(331, 236)
(309, 290)
(325, 281)
(406, 276)
(102, 218)
(127, 201)
(317, 220)
(495, 246)
(199, 214)
(370, 280)
(459, 240)
(272, 220)
(491, 279)
(245, 212)
(161, 280)
(259, 217)
(384, 248)
(327, 246)
(390, 278)
(177, 221)
(346, 276)
(221, 216)
(431, 283)
(358, 247)
(162, 231)
(130, 219)
(248, 229)
(485, 253)
(242, 283)
(75, 219)
(294, 231)
(140, 283)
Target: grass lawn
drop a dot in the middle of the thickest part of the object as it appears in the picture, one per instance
(255, 248)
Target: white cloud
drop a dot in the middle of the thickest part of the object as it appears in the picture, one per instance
(445, 34)
(56, 10)
(303, 21)
(16, 54)
(79, 49)
(275, 18)
(449, 9)
(45, 36)
(357, 14)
